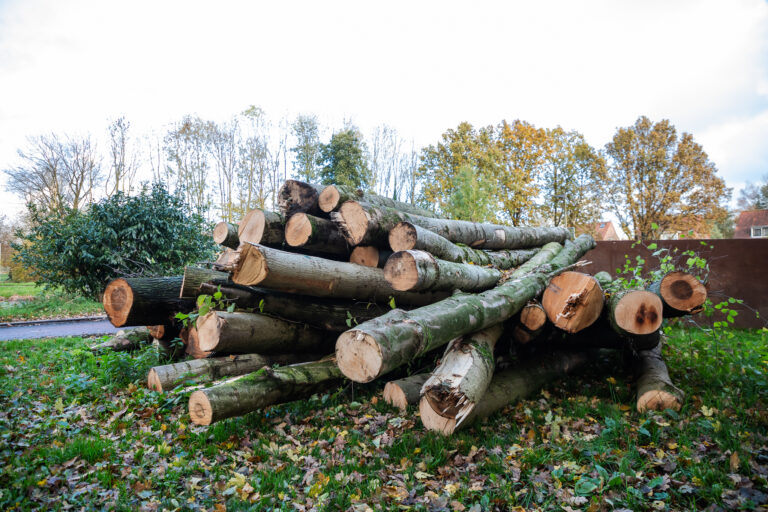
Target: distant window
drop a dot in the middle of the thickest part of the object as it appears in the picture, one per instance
(759, 231)
(602, 225)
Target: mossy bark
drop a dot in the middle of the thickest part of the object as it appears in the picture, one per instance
(124, 341)
(332, 197)
(420, 271)
(196, 276)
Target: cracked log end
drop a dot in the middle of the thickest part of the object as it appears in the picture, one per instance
(365, 255)
(402, 271)
(117, 301)
(153, 381)
(296, 196)
(200, 409)
(251, 266)
(395, 396)
(355, 221)
(251, 228)
(639, 312)
(358, 356)
(298, 230)
(434, 421)
(573, 301)
(683, 292)
(657, 400)
(328, 199)
(403, 237)
(209, 331)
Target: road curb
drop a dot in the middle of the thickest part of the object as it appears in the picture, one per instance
(52, 321)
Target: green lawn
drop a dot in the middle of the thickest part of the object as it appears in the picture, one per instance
(34, 302)
(79, 430)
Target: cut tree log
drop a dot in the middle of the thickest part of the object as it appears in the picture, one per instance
(406, 236)
(245, 333)
(226, 260)
(268, 386)
(319, 277)
(226, 234)
(420, 271)
(143, 301)
(542, 257)
(168, 331)
(333, 196)
(602, 335)
(298, 197)
(262, 227)
(124, 341)
(508, 386)
(199, 371)
(531, 325)
(195, 276)
(192, 344)
(681, 294)
(573, 301)
(314, 234)
(380, 345)
(369, 256)
(461, 379)
(404, 392)
(368, 225)
(328, 314)
(634, 313)
(655, 391)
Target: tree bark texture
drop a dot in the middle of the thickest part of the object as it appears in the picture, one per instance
(380, 345)
(369, 256)
(404, 392)
(124, 341)
(680, 293)
(573, 301)
(225, 234)
(143, 301)
(298, 197)
(314, 234)
(268, 386)
(406, 236)
(364, 224)
(420, 271)
(333, 196)
(655, 391)
(196, 276)
(262, 227)
(319, 277)
(602, 335)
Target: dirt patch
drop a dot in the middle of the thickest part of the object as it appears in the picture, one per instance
(17, 298)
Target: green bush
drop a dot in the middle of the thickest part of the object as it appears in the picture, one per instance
(152, 234)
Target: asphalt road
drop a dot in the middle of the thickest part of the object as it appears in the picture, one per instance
(57, 329)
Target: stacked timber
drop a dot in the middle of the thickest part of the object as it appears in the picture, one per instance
(342, 284)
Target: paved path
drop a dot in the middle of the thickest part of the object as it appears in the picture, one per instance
(57, 329)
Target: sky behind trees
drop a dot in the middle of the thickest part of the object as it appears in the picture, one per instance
(420, 67)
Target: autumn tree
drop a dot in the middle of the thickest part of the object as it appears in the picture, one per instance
(656, 177)
(343, 159)
(520, 149)
(306, 153)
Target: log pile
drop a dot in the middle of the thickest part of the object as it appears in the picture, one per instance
(341, 284)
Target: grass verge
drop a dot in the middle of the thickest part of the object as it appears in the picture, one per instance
(25, 301)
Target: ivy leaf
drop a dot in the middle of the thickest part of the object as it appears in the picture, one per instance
(392, 303)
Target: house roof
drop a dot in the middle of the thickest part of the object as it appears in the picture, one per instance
(748, 219)
(603, 228)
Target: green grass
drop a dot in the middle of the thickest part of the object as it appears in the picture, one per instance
(41, 303)
(79, 429)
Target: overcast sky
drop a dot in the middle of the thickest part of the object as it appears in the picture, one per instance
(421, 67)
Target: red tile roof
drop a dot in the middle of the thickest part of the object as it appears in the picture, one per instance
(605, 231)
(748, 219)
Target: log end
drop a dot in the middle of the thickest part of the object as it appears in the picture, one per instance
(328, 200)
(533, 316)
(298, 230)
(221, 233)
(296, 196)
(209, 331)
(153, 381)
(573, 301)
(402, 271)
(639, 312)
(251, 228)
(251, 266)
(657, 400)
(117, 301)
(434, 421)
(683, 292)
(395, 396)
(200, 409)
(354, 221)
(403, 237)
(359, 356)
(365, 255)
(157, 331)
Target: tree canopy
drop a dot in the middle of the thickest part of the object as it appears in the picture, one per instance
(344, 161)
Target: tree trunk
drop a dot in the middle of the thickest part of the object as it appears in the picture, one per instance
(380, 345)
(533, 319)
(168, 331)
(226, 234)
(124, 341)
(573, 301)
(143, 301)
(602, 335)
(268, 386)
(655, 391)
(365, 224)
(680, 293)
(298, 197)
(332, 197)
(462, 377)
(406, 236)
(245, 333)
(195, 276)
(420, 271)
(508, 386)
(314, 234)
(542, 257)
(369, 256)
(191, 341)
(319, 277)
(635, 313)
(404, 392)
(324, 314)
(262, 227)
(200, 371)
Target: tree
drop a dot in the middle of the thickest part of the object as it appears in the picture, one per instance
(306, 130)
(151, 234)
(656, 177)
(224, 145)
(754, 196)
(471, 198)
(124, 159)
(519, 158)
(186, 150)
(344, 159)
(570, 179)
(254, 177)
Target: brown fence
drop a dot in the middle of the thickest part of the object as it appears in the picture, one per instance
(738, 268)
